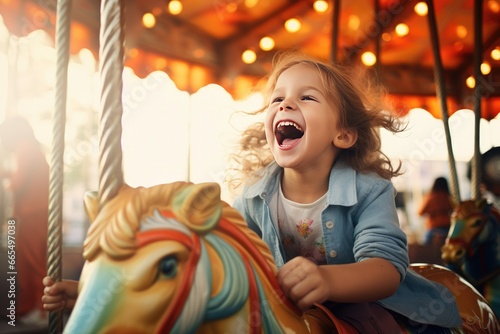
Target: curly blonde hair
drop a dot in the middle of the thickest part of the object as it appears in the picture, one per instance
(361, 108)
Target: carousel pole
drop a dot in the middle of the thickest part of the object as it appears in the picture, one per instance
(111, 63)
(54, 244)
(441, 94)
(478, 54)
(335, 32)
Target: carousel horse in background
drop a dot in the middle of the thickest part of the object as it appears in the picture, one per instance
(472, 248)
(175, 258)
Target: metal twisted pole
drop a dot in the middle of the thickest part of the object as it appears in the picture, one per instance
(441, 94)
(111, 56)
(54, 243)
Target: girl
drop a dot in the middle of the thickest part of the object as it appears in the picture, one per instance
(318, 192)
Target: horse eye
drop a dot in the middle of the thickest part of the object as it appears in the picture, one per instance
(476, 223)
(168, 266)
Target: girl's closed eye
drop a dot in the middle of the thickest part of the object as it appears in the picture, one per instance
(309, 97)
(276, 99)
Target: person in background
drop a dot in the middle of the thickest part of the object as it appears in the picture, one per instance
(28, 182)
(436, 208)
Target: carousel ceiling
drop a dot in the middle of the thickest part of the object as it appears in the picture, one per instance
(214, 34)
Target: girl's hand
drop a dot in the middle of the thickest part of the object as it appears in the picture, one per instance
(59, 295)
(303, 282)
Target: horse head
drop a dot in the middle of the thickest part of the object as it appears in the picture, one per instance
(174, 258)
(472, 245)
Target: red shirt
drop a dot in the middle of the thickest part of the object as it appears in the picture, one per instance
(437, 208)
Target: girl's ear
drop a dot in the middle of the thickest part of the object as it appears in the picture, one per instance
(345, 139)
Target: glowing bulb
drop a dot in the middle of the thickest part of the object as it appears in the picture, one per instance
(251, 3)
(320, 6)
(292, 25)
(368, 58)
(266, 43)
(495, 54)
(470, 82)
(354, 22)
(421, 9)
(494, 6)
(485, 68)
(175, 7)
(148, 20)
(402, 30)
(461, 31)
(248, 56)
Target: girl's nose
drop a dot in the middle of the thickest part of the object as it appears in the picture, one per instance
(287, 105)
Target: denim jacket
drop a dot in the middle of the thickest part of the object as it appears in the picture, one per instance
(359, 222)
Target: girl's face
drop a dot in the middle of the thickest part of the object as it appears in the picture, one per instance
(301, 127)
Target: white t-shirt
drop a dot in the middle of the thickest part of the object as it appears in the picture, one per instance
(300, 228)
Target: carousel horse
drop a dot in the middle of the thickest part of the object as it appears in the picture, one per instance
(472, 248)
(174, 258)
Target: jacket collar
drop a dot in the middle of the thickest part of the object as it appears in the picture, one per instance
(342, 183)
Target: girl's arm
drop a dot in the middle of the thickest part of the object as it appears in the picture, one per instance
(306, 283)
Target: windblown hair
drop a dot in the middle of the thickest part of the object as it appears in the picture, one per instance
(359, 105)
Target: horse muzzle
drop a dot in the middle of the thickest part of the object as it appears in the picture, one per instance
(453, 253)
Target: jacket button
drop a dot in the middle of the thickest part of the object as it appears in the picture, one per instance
(332, 253)
(329, 224)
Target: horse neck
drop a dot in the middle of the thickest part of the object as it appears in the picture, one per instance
(242, 271)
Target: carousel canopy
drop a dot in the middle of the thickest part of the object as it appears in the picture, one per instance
(232, 43)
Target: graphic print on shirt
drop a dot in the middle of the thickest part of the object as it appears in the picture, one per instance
(302, 239)
(304, 227)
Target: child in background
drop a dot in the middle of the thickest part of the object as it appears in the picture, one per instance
(318, 191)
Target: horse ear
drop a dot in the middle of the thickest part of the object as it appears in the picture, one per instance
(91, 202)
(199, 206)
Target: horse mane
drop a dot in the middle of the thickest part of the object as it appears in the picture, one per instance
(467, 208)
(114, 229)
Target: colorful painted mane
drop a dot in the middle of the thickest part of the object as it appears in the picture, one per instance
(472, 248)
(174, 258)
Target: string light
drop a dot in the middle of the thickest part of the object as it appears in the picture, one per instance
(175, 7)
(485, 68)
(402, 30)
(368, 58)
(320, 6)
(493, 6)
(266, 43)
(248, 56)
(495, 53)
(353, 22)
(470, 82)
(421, 9)
(148, 20)
(292, 25)
(461, 31)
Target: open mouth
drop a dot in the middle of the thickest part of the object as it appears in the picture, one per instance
(288, 131)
